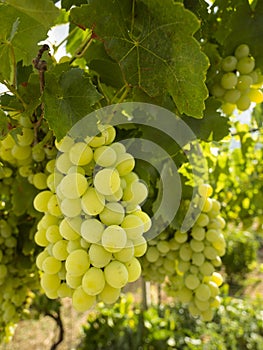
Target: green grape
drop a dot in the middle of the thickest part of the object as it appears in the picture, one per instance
(95, 141)
(77, 262)
(231, 96)
(116, 274)
(163, 247)
(99, 257)
(180, 237)
(244, 82)
(40, 181)
(53, 206)
(107, 181)
(40, 238)
(125, 254)
(63, 163)
(50, 282)
(229, 63)
(64, 291)
(3, 271)
(109, 295)
(207, 268)
(105, 156)
(136, 193)
(212, 235)
(203, 292)
(207, 315)
(134, 269)
(71, 207)
(81, 301)
(201, 305)
(38, 153)
(118, 147)
(145, 218)
(114, 238)
(246, 65)
(112, 214)
(191, 281)
(152, 254)
(214, 290)
(255, 95)
(242, 51)
(140, 246)
(41, 201)
(196, 246)
(210, 253)
(65, 144)
(92, 202)
(73, 281)
(202, 220)
(198, 258)
(228, 108)
(59, 250)
(198, 233)
(205, 190)
(73, 185)
(52, 234)
(108, 132)
(92, 230)
(93, 281)
(243, 103)
(184, 295)
(51, 265)
(69, 228)
(26, 138)
(80, 154)
(185, 252)
(133, 226)
(229, 80)
(125, 163)
(74, 245)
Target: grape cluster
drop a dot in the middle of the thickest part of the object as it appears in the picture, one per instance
(187, 261)
(92, 228)
(238, 84)
(17, 274)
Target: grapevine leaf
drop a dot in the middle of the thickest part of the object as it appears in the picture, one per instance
(213, 126)
(3, 124)
(154, 47)
(23, 194)
(67, 4)
(24, 23)
(68, 99)
(239, 24)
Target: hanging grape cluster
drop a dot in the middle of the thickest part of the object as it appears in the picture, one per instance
(239, 83)
(187, 261)
(92, 228)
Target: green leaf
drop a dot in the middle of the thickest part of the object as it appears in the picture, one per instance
(68, 99)
(154, 47)
(23, 194)
(24, 23)
(3, 124)
(67, 4)
(239, 24)
(213, 126)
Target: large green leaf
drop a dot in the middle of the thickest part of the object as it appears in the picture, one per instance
(152, 42)
(23, 24)
(68, 99)
(238, 23)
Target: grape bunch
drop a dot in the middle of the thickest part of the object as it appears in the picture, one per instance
(17, 273)
(239, 83)
(187, 261)
(92, 228)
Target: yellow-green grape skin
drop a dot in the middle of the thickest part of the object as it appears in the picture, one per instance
(134, 269)
(133, 225)
(80, 154)
(112, 214)
(105, 156)
(255, 95)
(40, 181)
(231, 96)
(73, 185)
(116, 274)
(114, 238)
(229, 63)
(152, 254)
(41, 201)
(63, 163)
(125, 164)
(59, 250)
(71, 207)
(244, 82)
(92, 202)
(245, 65)
(81, 301)
(77, 262)
(140, 246)
(109, 295)
(191, 281)
(93, 281)
(229, 80)
(228, 108)
(50, 282)
(51, 265)
(99, 257)
(70, 228)
(92, 230)
(65, 144)
(107, 181)
(241, 51)
(243, 103)
(125, 254)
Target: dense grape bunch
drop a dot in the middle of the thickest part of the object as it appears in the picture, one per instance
(17, 273)
(187, 261)
(239, 83)
(92, 228)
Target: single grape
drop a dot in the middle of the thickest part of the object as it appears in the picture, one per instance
(81, 301)
(92, 202)
(93, 281)
(109, 295)
(246, 65)
(77, 262)
(99, 257)
(242, 51)
(114, 238)
(243, 103)
(229, 63)
(229, 80)
(107, 181)
(116, 274)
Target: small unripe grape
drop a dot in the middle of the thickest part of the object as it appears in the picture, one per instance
(243, 103)
(246, 65)
(241, 51)
(229, 63)
(244, 82)
(255, 95)
(217, 90)
(232, 96)
(229, 80)
(228, 108)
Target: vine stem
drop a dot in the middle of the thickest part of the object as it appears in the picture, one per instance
(82, 48)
